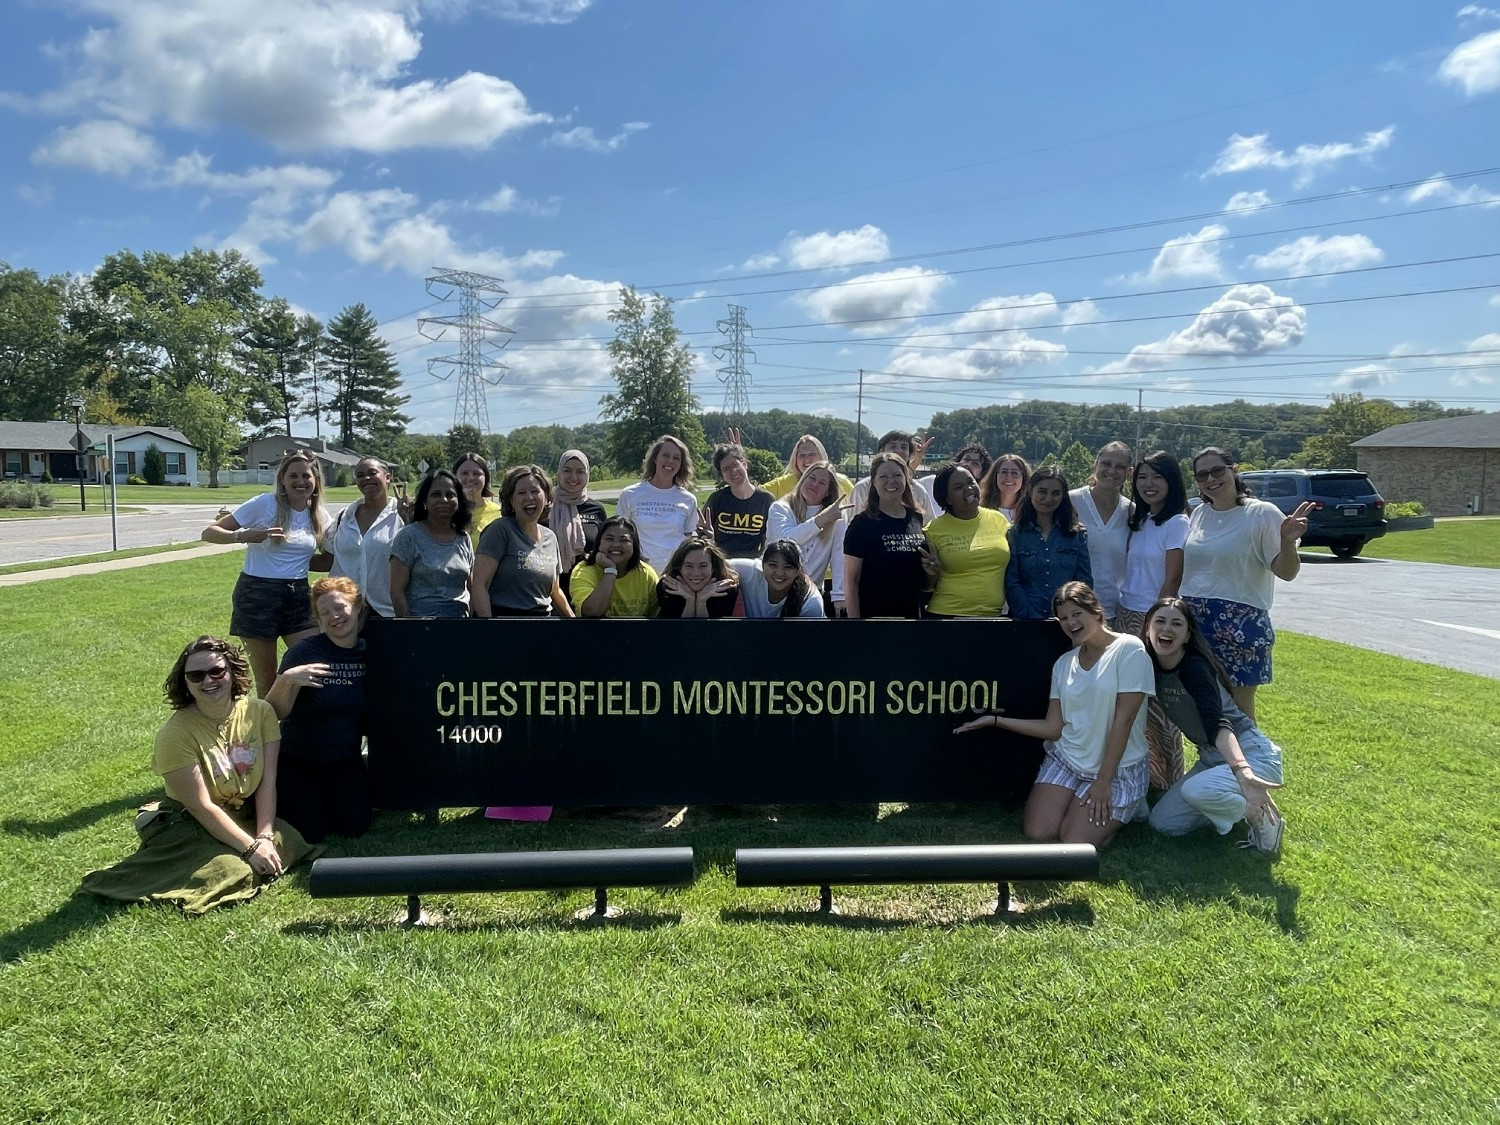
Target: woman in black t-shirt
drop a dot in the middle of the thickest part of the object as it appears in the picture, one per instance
(888, 563)
(319, 696)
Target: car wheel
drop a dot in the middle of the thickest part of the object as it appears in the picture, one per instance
(1347, 550)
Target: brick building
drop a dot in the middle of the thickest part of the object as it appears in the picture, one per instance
(1452, 465)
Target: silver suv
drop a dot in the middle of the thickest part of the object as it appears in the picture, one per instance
(1347, 511)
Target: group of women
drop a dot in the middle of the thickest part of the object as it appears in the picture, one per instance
(1166, 610)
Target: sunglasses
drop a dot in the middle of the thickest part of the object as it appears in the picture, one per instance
(1216, 472)
(198, 675)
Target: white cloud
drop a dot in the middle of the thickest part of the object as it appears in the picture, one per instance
(1442, 189)
(1246, 320)
(109, 148)
(762, 262)
(1248, 201)
(1311, 254)
(874, 298)
(1188, 255)
(1473, 373)
(583, 137)
(508, 201)
(1365, 377)
(36, 196)
(1474, 65)
(535, 11)
(1242, 154)
(1075, 313)
(987, 340)
(385, 228)
(298, 74)
(1495, 301)
(1476, 12)
(844, 248)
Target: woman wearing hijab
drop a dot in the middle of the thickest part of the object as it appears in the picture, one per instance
(575, 518)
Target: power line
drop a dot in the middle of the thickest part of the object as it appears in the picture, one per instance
(476, 293)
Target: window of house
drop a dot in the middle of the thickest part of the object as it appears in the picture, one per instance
(124, 463)
(12, 463)
(176, 464)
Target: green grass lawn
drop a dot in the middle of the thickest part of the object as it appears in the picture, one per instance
(139, 495)
(1354, 980)
(102, 556)
(1459, 542)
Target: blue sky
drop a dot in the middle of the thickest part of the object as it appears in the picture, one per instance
(973, 202)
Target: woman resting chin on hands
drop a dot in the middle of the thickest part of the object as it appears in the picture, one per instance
(1094, 773)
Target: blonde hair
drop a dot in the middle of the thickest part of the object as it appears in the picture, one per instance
(798, 505)
(1111, 447)
(791, 461)
(315, 514)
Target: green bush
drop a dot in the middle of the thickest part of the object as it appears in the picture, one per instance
(24, 494)
(342, 480)
(46, 476)
(1404, 509)
(154, 465)
(135, 478)
(764, 465)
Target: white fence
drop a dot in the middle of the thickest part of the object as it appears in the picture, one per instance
(240, 476)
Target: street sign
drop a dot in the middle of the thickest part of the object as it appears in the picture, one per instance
(81, 443)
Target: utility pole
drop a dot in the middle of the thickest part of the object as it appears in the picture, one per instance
(477, 340)
(732, 354)
(1140, 399)
(859, 421)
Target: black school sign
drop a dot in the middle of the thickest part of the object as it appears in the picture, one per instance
(622, 712)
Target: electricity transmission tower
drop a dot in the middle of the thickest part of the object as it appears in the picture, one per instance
(477, 340)
(732, 353)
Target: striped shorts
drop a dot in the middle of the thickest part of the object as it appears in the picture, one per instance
(1126, 796)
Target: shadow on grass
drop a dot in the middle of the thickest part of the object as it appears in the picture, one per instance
(1066, 913)
(78, 818)
(439, 925)
(78, 914)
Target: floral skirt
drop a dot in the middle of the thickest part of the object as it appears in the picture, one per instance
(1240, 636)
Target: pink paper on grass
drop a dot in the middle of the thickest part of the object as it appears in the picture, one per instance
(518, 812)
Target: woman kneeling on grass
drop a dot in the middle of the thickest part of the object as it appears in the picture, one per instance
(1094, 775)
(1238, 766)
(215, 839)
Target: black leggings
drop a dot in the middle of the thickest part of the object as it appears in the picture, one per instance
(319, 798)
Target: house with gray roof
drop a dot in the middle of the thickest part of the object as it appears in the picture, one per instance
(267, 452)
(30, 449)
(1452, 465)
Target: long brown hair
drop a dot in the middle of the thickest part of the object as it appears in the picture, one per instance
(1195, 641)
(872, 499)
(315, 513)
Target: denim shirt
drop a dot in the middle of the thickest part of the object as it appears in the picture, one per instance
(1039, 566)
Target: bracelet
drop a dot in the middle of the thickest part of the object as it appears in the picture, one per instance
(613, 572)
(248, 852)
(1244, 766)
(266, 836)
(237, 537)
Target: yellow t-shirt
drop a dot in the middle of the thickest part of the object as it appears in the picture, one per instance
(230, 755)
(634, 596)
(481, 518)
(974, 554)
(783, 484)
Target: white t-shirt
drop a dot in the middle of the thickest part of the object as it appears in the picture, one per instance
(1106, 546)
(1146, 562)
(820, 552)
(1228, 555)
(287, 559)
(921, 492)
(366, 556)
(664, 517)
(756, 599)
(1088, 703)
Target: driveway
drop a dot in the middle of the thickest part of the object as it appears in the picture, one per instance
(34, 540)
(1447, 615)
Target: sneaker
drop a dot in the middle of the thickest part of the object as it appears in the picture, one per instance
(1265, 837)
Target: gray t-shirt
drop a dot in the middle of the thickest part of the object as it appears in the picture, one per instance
(439, 583)
(525, 571)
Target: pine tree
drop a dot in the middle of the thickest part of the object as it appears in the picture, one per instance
(653, 371)
(277, 351)
(362, 373)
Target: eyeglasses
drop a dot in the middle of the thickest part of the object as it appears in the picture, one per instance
(198, 675)
(1216, 472)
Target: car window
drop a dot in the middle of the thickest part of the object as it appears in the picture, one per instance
(1343, 488)
(1274, 487)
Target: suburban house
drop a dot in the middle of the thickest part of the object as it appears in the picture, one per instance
(30, 449)
(266, 452)
(1452, 465)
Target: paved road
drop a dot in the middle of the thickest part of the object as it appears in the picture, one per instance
(60, 537)
(1447, 615)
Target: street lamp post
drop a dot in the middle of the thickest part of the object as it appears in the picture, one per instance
(76, 402)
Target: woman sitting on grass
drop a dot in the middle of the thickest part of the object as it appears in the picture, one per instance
(1094, 776)
(698, 582)
(1237, 766)
(215, 839)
